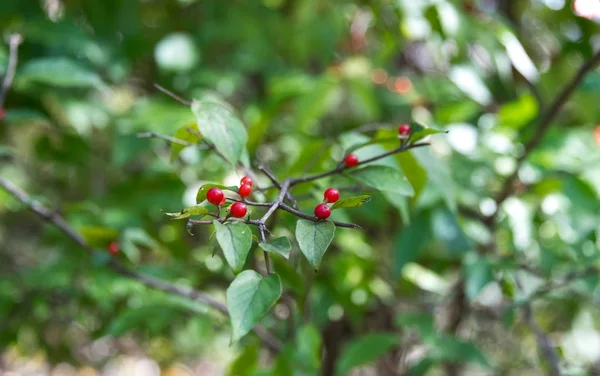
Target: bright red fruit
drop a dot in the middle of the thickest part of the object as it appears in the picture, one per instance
(404, 130)
(331, 195)
(246, 180)
(215, 196)
(113, 248)
(238, 209)
(351, 160)
(245, 190)
(322, 211)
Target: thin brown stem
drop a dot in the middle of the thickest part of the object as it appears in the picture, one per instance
(173, 140)
(173, 95)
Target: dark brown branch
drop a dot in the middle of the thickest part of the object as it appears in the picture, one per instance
(54, 218)
(545, 122)
(543, 342)
(173, 95)
(13, 58)
(298, 213)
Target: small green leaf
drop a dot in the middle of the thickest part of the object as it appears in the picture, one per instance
(235, 240)
(280, 245)
(351, 202)
(98, 236)
(246, 362)
(183, 134)
(249, 298)
(59, 72)
(419, 132)
(449, 348)
(360, 145)
(384, 178)
(201, 195)
(364, 350)
(314, 238)
(189, 212)
(478, 273)
(221, 128)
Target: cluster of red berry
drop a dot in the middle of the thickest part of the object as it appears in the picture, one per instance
(216, 197)
(351, 160)
(331, 195)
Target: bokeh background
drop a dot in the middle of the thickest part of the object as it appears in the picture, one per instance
(308, 78)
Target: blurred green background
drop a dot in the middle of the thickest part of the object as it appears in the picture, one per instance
(427, 287)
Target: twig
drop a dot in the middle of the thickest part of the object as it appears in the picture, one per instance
(342, 167)
(269, 340)
(298, 213)
(170, 139)
(173, 95)
(13, 58)
(277, 183)
(545, 122)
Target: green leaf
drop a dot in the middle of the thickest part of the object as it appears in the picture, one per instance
(249, 298)
(519, 113)
(351, 202)
(360, 145)
(221, 128)
(384, 178)
(98, 236)
(201, 195)
(308, 347)
(189, 212)
(438, 174)
(448, 348)
(183, 134)
(364, 350)
(410, 241)
(419, 132)
(246, 362)
(235, 239)
(313, 239)
(280, 245)
(478, 273)
(58, 72)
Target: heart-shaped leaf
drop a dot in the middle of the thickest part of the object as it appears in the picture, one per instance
(314, 238)
(365, 349)
(189, 212)
(201, 195)
(280, 245)
(249, 298)
(235, 240)
(384, 178)
(221, 128)
(351, 202)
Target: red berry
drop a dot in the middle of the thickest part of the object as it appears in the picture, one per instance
(245, 190)
(322, 211)
(215, 196)
(331, 195)
(113, 248)
(404, 130)
(351, 160)
(238, 209)
(246, 180)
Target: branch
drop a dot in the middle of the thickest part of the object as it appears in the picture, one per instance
(341, 167)
(545, 122)
(13, 58)
(544, 345)
(173, 95)
(54, 218)
(173, 140)
(298, 213)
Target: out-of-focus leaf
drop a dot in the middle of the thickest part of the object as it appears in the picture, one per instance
(280, 246)
(410, 241)
(351, 202)
(189, 212)
(249, 297)
(383, 178)
(439, 175)
(246, 362)
(98, 236)
(419, 132)
(60, 72)
(221, 128)
(451, 349)
(519, 113)
(235, 239)
(313, 239)
(478, 273)
(365, 349)
(308, 347)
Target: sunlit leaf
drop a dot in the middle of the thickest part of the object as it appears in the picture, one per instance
(189, 212)
(351, 202)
